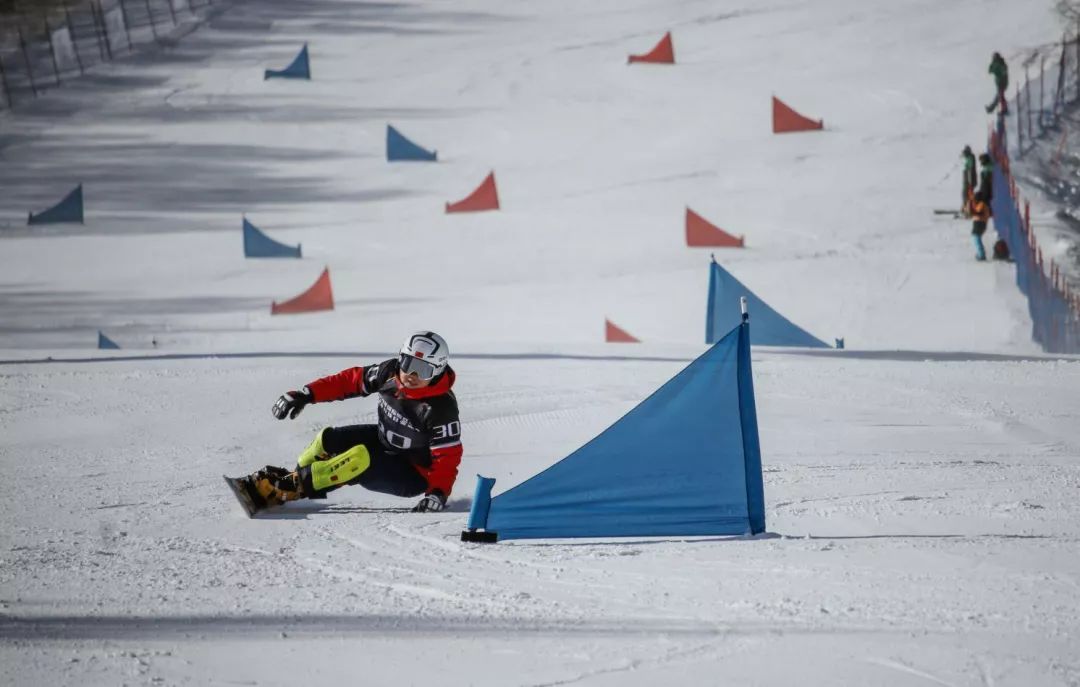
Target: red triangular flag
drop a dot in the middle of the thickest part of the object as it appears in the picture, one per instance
(613, 334)
(785, 119)
(701, 233)
(485, 197)
(319, 297)
(663, 53)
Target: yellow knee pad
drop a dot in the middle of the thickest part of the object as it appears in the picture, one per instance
(313, 452)
(340, 469)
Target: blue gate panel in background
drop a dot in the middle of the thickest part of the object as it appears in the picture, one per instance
(770, 327)
(401, 149)
(104, 343)
(259, 245)
(70, 209)
(299, 69)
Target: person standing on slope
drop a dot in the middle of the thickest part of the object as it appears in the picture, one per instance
(986, 178)
(414, 449)
(980, 213)
(1000, 70)
(970, 176)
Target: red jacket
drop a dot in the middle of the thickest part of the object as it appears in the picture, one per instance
(421, 424)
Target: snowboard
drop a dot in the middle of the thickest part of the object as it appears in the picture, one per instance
(242, 496)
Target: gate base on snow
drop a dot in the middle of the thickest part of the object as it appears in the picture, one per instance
(478, 537)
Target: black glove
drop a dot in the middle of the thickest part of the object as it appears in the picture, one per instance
(432, 503)
(292, 403)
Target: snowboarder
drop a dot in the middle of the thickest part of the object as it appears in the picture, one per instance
(970, 176)
(414, 449)
(980, 213)
(1000, 70)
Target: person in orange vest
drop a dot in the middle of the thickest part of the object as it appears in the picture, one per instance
(980, 214)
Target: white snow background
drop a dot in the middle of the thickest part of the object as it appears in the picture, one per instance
(921, 486)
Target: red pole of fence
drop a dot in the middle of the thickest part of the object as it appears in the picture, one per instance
(1027, 214)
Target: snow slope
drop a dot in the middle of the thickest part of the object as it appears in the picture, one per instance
(920, 485)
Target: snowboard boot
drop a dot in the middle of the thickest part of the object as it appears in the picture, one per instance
(273, 486)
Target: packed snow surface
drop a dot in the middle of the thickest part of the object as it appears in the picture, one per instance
(921, 485)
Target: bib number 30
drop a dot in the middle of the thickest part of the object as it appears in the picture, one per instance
(451, 430)
(447, 431)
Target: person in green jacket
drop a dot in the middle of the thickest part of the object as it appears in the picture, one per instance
(1000, 70)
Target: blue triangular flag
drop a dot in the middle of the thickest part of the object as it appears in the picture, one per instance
(399, 148)
(770, 327)
(684, 462)
(299, 68)
(259, 245)
(105, 343)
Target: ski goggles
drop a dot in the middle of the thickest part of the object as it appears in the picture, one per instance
(417, 366)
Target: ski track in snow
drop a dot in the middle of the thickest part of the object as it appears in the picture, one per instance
(911, 671)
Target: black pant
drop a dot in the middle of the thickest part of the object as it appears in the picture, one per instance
(391, 472)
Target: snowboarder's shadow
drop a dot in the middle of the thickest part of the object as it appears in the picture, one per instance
(301, 511)
(659, 539)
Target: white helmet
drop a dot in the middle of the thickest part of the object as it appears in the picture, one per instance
(424, 353)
